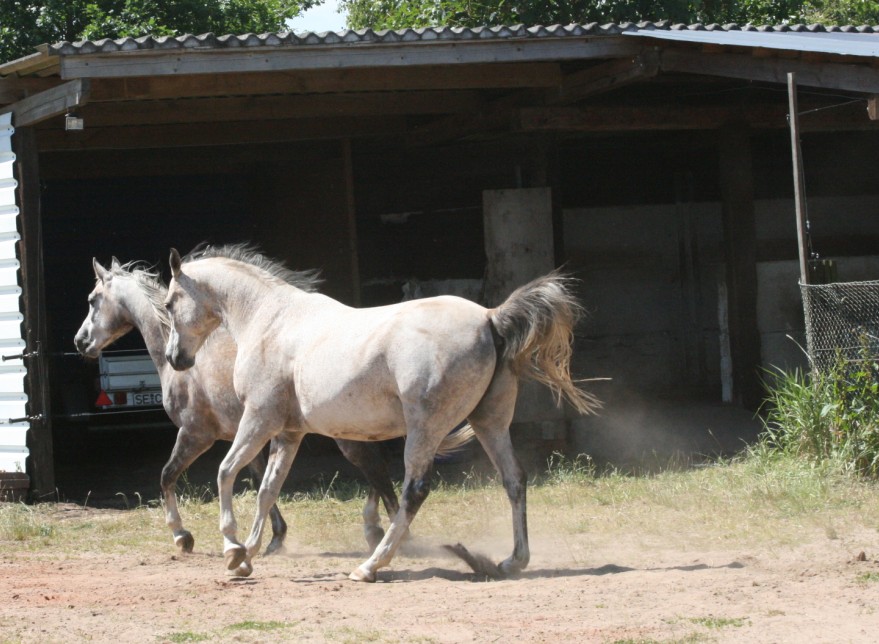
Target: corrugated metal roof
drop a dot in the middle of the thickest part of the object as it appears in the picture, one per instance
(844, 43)
(697, 33)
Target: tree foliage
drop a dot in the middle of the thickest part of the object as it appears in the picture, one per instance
(399, 14)
(27, 23)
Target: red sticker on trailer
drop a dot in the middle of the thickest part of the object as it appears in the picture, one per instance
(103, 400)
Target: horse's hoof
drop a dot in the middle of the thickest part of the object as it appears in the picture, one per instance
(185, 541)
(275, 546)
(511, 567)
(244, 570)
(235, 556)
(360, 574)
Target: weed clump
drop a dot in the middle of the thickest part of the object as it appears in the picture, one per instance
(830, 415)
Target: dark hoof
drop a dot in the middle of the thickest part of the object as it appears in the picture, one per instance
(276, 545)
(480, 564)
(185, 542)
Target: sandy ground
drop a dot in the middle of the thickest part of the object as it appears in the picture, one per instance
(631, 590)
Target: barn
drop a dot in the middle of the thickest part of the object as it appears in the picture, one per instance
(651, 160)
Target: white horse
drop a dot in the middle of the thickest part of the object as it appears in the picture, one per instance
(201, 401)
(307, 363)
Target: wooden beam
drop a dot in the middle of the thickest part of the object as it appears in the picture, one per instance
(873, 107)
(51, 102)
(604, 77)
(35, 63)
(619, 118)
(169, 62)
(259, 108)
(499, 76)
(845, 77)
(13, 88)
(740, 250)
(37, 383)
(209, 134)
(139, 162)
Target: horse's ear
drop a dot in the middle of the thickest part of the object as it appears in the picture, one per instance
(100, 272)
(175, 262)
(114, 263)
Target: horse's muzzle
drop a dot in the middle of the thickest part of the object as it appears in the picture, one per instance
(179, 362)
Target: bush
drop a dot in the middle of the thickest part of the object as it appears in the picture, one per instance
(831, 415)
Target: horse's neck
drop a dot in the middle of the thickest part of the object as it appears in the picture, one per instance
(249, 303)
(144, 318)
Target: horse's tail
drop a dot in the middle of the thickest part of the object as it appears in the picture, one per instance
(455, 441)
(536, 324)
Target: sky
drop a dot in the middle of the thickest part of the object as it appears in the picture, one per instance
(324, 17)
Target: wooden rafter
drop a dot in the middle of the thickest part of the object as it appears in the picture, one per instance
(604, 77)
(852, 77)
(500, 76)
(49, 103)
(210, 134)
(257, 108)
(347, 56)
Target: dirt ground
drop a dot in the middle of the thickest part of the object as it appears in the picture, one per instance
(634, 589)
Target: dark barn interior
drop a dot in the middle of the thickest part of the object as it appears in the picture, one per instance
(667, 167)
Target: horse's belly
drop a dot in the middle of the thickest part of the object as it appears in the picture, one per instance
(356, 419)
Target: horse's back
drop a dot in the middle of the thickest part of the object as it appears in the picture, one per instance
(363, 368)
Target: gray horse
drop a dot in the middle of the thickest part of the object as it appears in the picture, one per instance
(308, 364)
(202, 402)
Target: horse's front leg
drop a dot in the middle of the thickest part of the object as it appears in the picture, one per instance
(251, 437)
(370, 460)
(281, 456)
(190, 444)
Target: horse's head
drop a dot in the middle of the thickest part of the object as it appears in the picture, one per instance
(193, 316)
(107, 319)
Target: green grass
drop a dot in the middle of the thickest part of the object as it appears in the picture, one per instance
(871, 577)
(766, 497)
(718, 622)
(186, 636)
(830, 416)
(264, 627)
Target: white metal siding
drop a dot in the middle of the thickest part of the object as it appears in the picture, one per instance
(13, 450)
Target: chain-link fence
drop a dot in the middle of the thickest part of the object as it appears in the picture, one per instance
(842, 322)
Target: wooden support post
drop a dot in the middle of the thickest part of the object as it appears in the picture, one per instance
(740, 246)
(41, 461)
(348, 169)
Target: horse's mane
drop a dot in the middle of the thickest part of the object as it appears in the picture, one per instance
(308, 280)
(149, 282)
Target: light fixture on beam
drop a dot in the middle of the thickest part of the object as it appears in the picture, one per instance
(72, 122)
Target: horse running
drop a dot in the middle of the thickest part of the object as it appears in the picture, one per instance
(201, 402)
(307, 363)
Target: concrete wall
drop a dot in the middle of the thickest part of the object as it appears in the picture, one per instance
(837, 224)
(649, 279)
(519, 247)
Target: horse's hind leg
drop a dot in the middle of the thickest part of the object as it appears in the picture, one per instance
(188, 447)
(370, 460)
(491, 421)
(279, 527)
